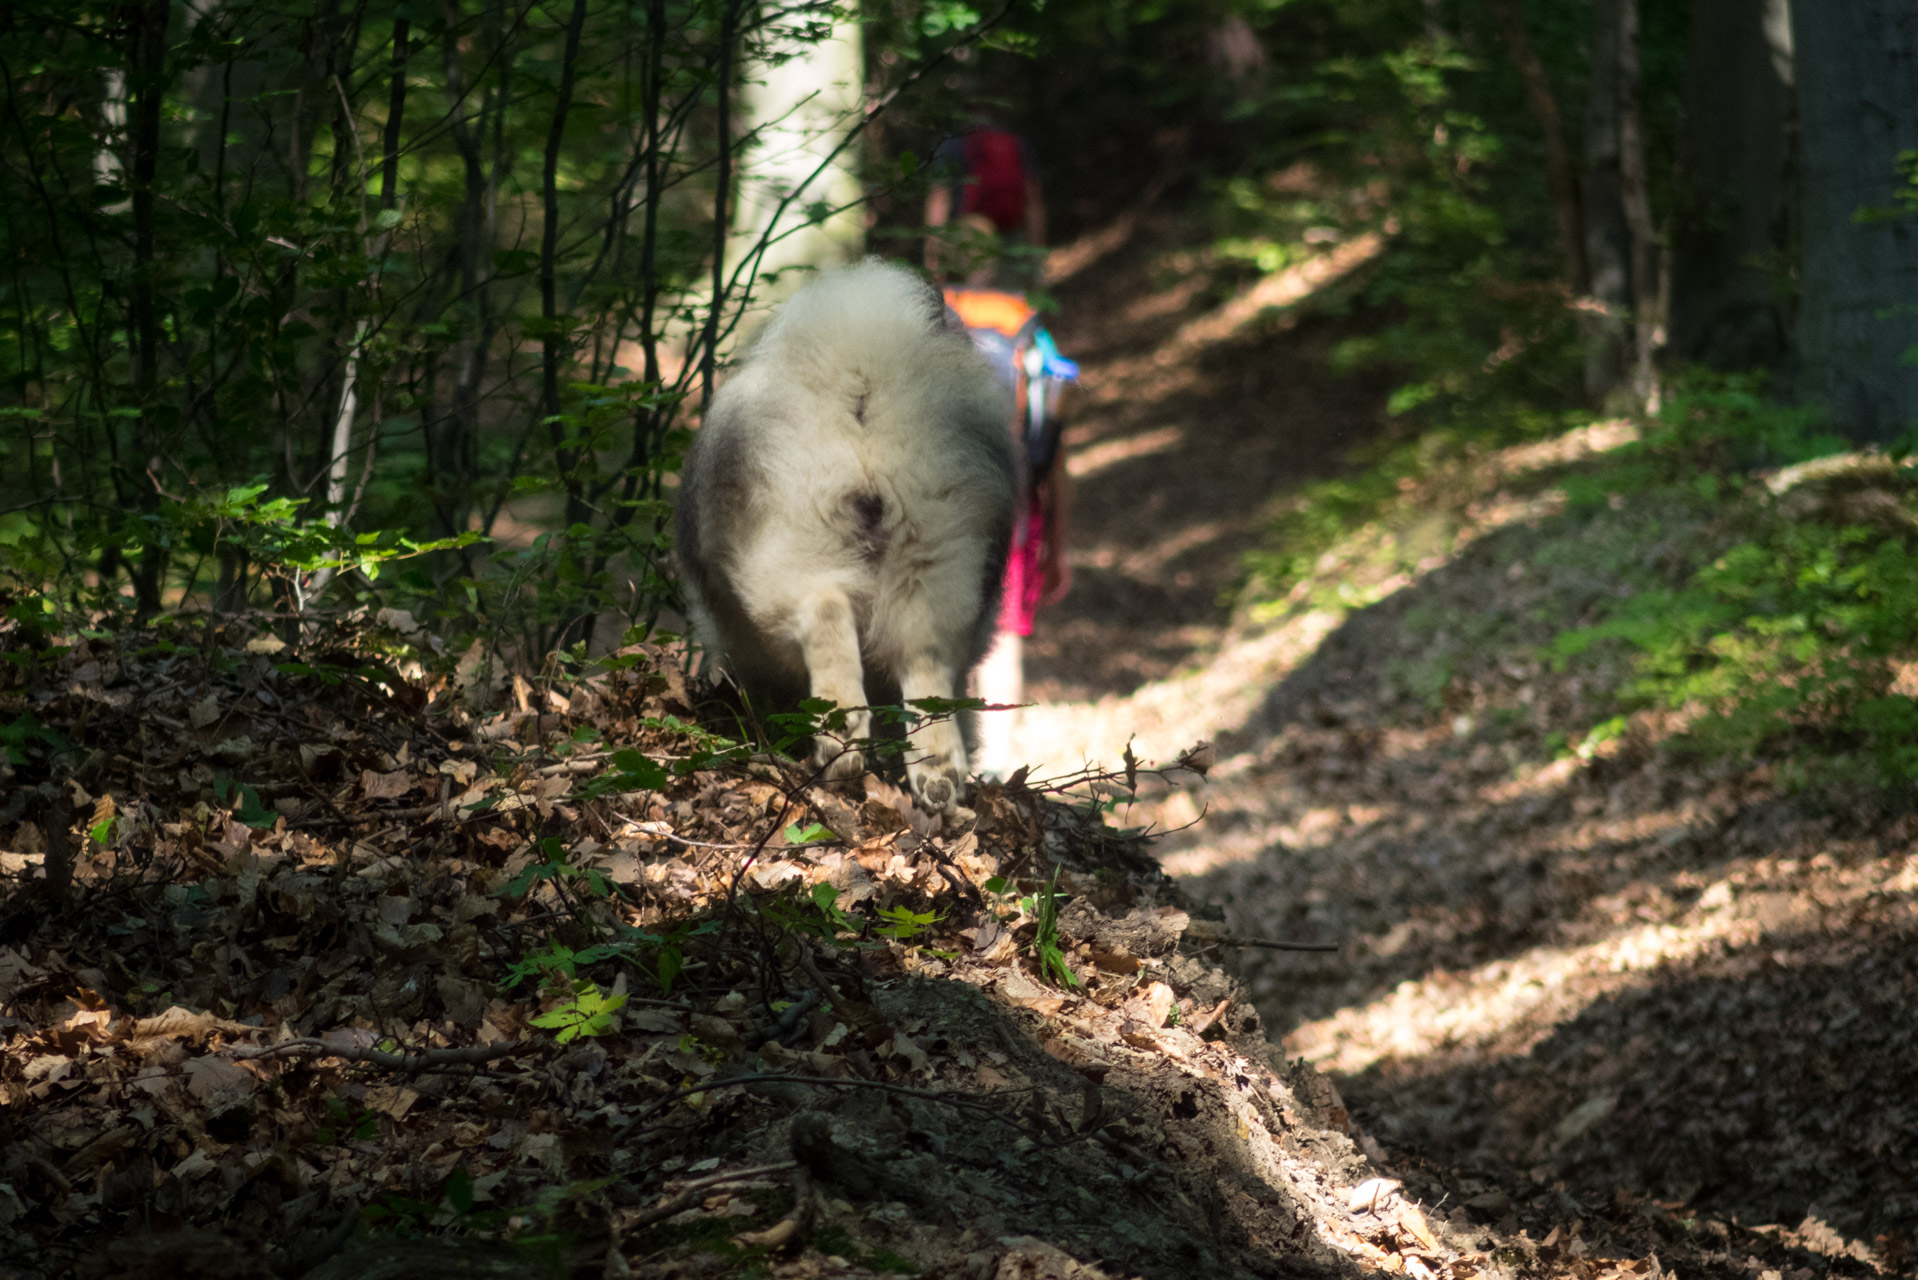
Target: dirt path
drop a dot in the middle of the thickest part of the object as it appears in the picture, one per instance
(1179, 445)
(1634, 1005)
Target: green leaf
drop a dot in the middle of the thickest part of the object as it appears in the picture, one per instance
(589, 1013)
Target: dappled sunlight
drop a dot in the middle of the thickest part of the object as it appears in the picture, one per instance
(1315, 828)
(1504, 1006)
(1093, 459)
(1568, 947)
(1216, 696)
(1289, 287)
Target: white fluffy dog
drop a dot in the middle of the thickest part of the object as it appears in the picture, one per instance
(846, 508)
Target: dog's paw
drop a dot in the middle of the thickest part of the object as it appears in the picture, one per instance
(936, 766)
(837, 761)
(935, 785)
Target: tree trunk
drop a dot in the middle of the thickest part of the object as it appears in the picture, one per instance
(1624, 318)
(1732, 226)
(1634, 197)
(449, 440)
(554, 347)
(1608, 236)
(146, 81)
(1857, 76)
(1560, 180)
(722, 198)
(796, 165)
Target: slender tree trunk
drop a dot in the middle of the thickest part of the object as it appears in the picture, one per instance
(1560, 180)
(446, 438)
(798, 111)
(107, 169)
(554, 347)
(395, 116)
(317, 52)
(649, 221)
(1857, 77)
(1647, 263)
(1732, 224)
(349, 403)
(722, 200)
(1608, 238)
(146, 82)
(1620, 318)
(348, 410)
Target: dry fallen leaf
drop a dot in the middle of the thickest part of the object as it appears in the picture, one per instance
(1150, 1006)
(1021, 989)
(1370, 1194)
(385, 786)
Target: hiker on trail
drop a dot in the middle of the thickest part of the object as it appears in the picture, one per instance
(989, 183)
(987, 186)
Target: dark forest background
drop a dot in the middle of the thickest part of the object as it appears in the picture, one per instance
(310, 304)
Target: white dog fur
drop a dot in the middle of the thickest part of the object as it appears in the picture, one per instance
(846, 508)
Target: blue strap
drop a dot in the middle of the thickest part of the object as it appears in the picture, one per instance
(1054, 364)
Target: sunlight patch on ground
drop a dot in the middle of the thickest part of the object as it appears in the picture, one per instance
(1285, 288)
(1509, 1004)
(1152, 559)
(1110, 453)
(1167, 716)
(1069, 260)
(1314, 829)
(1220, 697)
(1585, 442)
(1506, 1007)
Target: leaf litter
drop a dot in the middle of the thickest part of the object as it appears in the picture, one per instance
(1605, 1002)
(302, 948)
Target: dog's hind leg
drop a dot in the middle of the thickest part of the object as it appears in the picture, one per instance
(936, 754)
(829, 639)
(921, 629)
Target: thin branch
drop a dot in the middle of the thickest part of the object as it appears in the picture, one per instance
(410, 1063)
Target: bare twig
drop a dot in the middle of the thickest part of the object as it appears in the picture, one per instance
(951, 1098)
(1200, 933)
(424, 1060)
(1205, 1021)
(690, 1194)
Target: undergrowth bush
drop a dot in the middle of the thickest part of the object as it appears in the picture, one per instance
(1765, 602)
(1798, 631)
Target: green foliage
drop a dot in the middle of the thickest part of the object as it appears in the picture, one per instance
(834, 1239)
(556, 869)
(1043, 907)
(816, 913)
(306, 305)
(1795, 631)
(632, 771)
(584, 1011)
(24, 736)
(348, 1124)
(902, 924)
(555, 961)
(245, 803)
(1412, 122)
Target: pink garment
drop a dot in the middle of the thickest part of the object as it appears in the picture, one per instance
(1020, 604)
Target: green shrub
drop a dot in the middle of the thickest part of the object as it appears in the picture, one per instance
(1793, 628)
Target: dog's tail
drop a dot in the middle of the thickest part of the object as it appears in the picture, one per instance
(874, 317)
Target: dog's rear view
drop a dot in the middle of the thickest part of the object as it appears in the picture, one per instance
(846, 509)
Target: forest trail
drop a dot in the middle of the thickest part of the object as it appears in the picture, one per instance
(1185, 429)
(1619, 997)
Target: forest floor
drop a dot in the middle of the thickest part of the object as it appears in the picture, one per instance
(1617, 999)
(309, 954)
